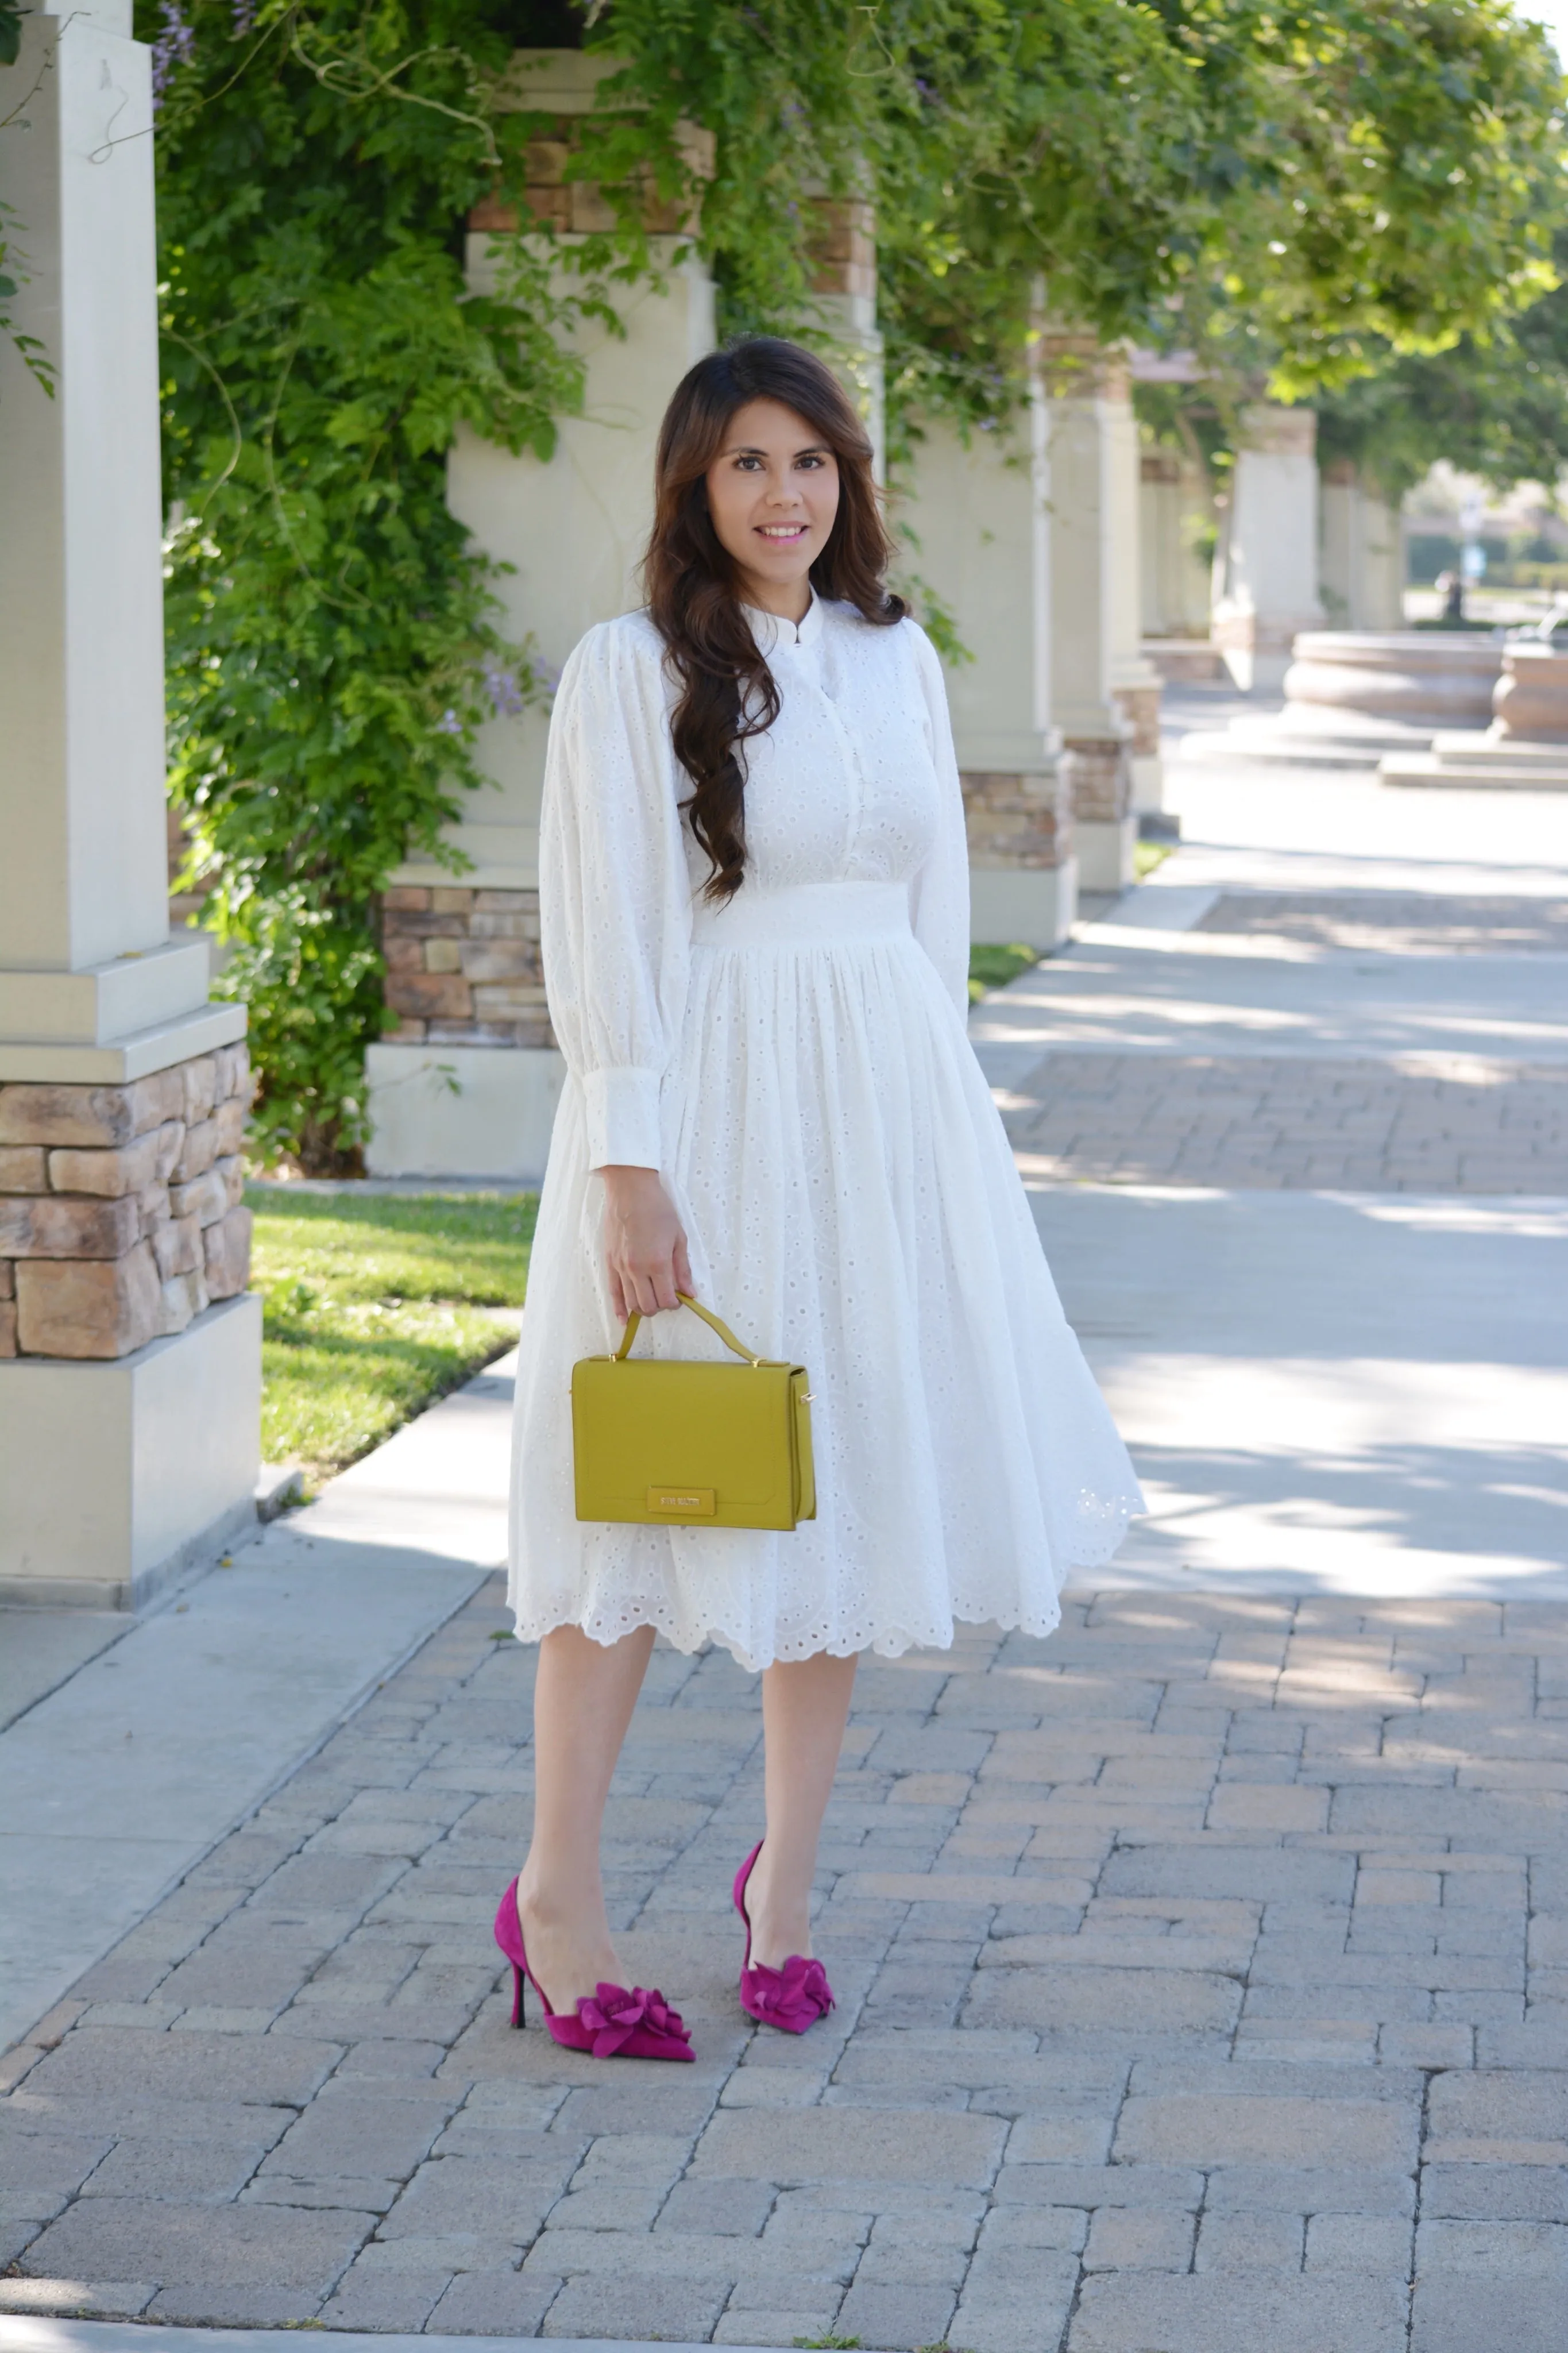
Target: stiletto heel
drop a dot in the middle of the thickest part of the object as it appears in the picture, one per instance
(612, 2022)
(791, 1999)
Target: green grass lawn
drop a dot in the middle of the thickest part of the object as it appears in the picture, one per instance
(994, 967)
(375, 1305)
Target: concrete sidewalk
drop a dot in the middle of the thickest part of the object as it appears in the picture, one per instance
(134, 1745)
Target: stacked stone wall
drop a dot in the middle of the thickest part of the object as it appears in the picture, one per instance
(1102, 779)
(121, 1211)
(463, 966)
(1139, 706)
(579, 207)
(1015, 819)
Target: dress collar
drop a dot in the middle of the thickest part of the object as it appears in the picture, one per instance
(773, 634)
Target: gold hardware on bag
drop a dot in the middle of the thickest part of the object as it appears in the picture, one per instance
(684, 1503)
(683, 1442)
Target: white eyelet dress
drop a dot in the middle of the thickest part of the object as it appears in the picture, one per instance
(795, 1065)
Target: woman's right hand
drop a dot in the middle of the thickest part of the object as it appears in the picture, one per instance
(645, 1249)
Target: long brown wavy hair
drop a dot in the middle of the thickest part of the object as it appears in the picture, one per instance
(727, 691)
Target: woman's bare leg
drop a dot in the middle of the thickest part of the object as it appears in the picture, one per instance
(583, 1702)
(805, 1706)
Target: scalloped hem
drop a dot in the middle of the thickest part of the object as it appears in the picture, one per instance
(884, 1641)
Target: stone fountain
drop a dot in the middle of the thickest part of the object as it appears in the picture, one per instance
(1354, 697)
(1526, 746)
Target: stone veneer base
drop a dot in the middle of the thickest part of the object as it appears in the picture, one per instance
(121, 1210)
(115, 1478)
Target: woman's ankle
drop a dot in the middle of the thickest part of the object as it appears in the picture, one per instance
(558, 1906)
(780, 1918)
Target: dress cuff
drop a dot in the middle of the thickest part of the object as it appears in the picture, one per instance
(623, 1118)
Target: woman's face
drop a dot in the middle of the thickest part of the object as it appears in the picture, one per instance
(773, 492)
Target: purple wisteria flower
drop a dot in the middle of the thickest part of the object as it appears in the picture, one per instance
(175, 45)
(505, 694)
(243, 14)
(448, 723)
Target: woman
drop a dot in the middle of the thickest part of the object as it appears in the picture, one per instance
(753, 893)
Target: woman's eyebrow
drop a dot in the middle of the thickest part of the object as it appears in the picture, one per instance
(750, 449)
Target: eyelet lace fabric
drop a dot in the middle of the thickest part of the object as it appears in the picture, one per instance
(797, 1067)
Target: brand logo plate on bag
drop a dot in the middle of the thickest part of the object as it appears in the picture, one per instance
(683, 1502)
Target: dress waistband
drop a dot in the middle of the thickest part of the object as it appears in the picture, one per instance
(804, 914)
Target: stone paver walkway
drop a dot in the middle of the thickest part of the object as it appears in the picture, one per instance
(1306, 1122)
(1411, 923)
(1203, 1978)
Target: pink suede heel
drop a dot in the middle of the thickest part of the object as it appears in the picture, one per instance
(611, 2023)
(791, 1999)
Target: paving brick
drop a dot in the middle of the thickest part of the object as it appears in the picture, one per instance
(743, 2325)
(1495, 2192)
(1200, 2128)
(896, 2316)
(1359, 2242)
(39, 2170)
(385, 2300)
(1264, 1874)
(1123, 2001)
(994, 2316)
(342, 2135)
(182, 2173)
(682, 2310)
(1252, 2242)
(75, 2298)
(1132, 2238)
(104, 2065)
(263, 2306)
(1519, 2250)
(847, 2145)
(736, 2208)
(455, 2195)
(1491, 2112)
(491, 2304)
(1462, 2315)
(1254, 2189)
(1220, 2312)
(224, 2245)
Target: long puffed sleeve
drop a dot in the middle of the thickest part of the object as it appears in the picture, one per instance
(615, 906)
(938, 898)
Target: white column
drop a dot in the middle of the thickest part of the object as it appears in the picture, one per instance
(1363, 552)
(1104, 694)
(1266, 570)
(1173, 503)
(981, 518)
(130, 1385)
(468, 1084)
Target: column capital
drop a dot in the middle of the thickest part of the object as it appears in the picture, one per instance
(1271, 431)
(1075, 365)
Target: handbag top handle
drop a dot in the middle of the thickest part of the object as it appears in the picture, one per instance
(708, 1316)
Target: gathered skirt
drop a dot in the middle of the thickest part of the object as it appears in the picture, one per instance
(851, 1204)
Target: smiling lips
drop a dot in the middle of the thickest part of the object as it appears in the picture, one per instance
(784, 531)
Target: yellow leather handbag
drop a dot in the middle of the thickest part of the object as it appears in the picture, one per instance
(675, 1443)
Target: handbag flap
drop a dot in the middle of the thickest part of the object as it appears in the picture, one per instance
(647, 1426)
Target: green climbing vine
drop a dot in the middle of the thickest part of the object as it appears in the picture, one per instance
(1295, 188)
